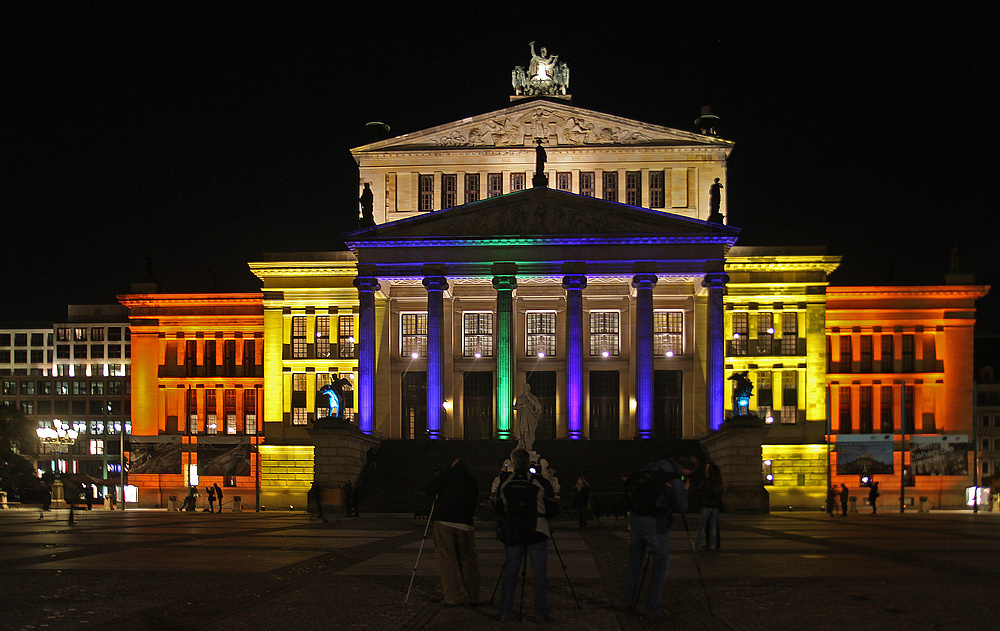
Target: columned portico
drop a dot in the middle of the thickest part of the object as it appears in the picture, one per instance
(505, 285)
(715, 377)
(643, 284)
(574, 284)
(436, 285)
(367, 286)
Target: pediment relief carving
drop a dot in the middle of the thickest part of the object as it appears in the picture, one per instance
(542, 122)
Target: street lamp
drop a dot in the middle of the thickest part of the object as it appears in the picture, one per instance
(58, 439)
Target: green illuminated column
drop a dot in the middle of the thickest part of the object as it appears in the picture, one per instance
(505, 286)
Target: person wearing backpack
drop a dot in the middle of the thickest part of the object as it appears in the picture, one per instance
(454, 532)
(655, 492)
(524, 503)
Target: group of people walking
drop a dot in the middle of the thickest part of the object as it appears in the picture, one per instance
(843, 494)
(525, 503)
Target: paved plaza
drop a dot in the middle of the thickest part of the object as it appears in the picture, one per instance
(150, 569)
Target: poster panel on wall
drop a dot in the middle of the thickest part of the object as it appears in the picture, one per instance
(864, 454)
(223, 458)
(947, 454)
(155, 454)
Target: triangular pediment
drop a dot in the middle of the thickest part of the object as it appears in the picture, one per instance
(560, 123)
(544, 215)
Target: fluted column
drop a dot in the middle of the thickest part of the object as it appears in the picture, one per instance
(574, 285)
(505, 286)
(643, 284)
(367, 286)
(715, 378)
(436, 285)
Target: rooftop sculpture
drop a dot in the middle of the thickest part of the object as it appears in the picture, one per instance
(545, 75)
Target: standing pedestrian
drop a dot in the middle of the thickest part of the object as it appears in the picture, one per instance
(656, 492)
(873, 496)
(711, 499)
(456, 492)
(525, 503)
(88, 496)
(844, 497)
(831, 499)
(218, 494)
(348, 499)
(211, 498)
(581, 501)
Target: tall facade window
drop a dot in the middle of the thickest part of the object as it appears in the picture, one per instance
(230, 358)
(789, 333)
(657, 192)
(540, 333)
(765, 333)
(80, 334)
(249, 358)
(844, 411)
(564, 181)
(610, 181)
(413, 334)
(668, 333)
(300, 415)
(449, 190)
(426, 193)
(62, 334)
(322, 337)
(846, 354)
(865, 410)
(210, 358)
(885, 411)
(191, 358)
(299, 345)
(741, 332)
(114, 334)
(494, 184)
(789, 396)
(866, 353)
(765, 395)
(908, 356)
(887, 354)
(604, 333)
(477, 334)
(96, 334)
(345, 336)
(250, 410)
(517, 181)
(471, 187)
(192, 410)
(230, 409)
(587, 184)
(633, 188)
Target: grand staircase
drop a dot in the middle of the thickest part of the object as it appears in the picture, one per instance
(403, 467)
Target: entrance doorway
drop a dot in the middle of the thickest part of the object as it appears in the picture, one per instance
(543, 386)
(414, 413)
(668, 403)
(604, 405)
(477, 406)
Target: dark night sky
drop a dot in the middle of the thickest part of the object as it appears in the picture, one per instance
(208, 133)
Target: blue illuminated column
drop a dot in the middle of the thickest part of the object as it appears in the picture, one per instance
(644, 284)
(367, 286)
(505, 286)
(574, 285)
(436, 285)
(715, 355)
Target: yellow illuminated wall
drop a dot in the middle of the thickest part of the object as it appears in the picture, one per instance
(286, 473)
(799, 475)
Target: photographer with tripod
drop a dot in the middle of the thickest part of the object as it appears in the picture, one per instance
(524, 502)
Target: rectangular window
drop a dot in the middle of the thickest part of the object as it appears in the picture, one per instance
(44, 387)
(846, 354)
(633, 188)
(229, 405)
(79, 351)
(38, 355)
(299, 346)
(657, 196)
(540, 333)
(27, 388)
(587, 184)
(114, 351)
(844, 411)
(114, 334)
(765, 395)
(250, 410)
(79, 388)
(887, 354)
(865, 409)
(192, 410)
(908, 356)
(426, 194)
(62, 334)
(345, 336)
(62, 388)
(449, 190)
(765, 333)
(610, 181)
(210, 358)
(28, 407)
(741, 332)
(908, 411)
(96, 387)
(230, 358)
(21, 356)
(564, 181)
(300, 416)
(115, 388)
(191, 358)
(38, 339)
(494, 184)
(62, 351)
(96, 447)
(80, 334)
(97, 428)
(211, 411)
(97, 334)
(477, 334)
(413, 335)
(789, 333)
(604, 329)
(21, 339)
(866, 353)
(471, 187)
(517, 182)
(668, 333)
(249, 358)
(4, 357)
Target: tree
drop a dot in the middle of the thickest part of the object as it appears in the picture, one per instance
(17, 437)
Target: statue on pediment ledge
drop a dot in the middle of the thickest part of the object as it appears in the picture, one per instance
(545, 75)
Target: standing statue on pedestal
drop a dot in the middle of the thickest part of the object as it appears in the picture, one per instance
(335, 395)
(539, 178)
(367, 200)
(528, 410)
(715, 202)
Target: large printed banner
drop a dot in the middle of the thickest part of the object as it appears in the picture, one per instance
(155, 454)
(940, 455)
(864, 454)
(223, 457)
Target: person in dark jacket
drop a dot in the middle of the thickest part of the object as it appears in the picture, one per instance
(581, 501)
(456, 493)
(218, 495)
(873, 497)
(845, 496)
(711, 499)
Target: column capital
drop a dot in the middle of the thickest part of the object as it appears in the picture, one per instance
(574, 281)
(439, 283)
(715, 280)
(644, 281)
(501, 283)
(367, 283)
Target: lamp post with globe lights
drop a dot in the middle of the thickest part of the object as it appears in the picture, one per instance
(58, 439)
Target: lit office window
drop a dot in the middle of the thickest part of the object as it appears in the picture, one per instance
(477, 334)
(250, 410)
(604, 333)
(668, 333)
(540, 333)
(413, 334)
(230, 410)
